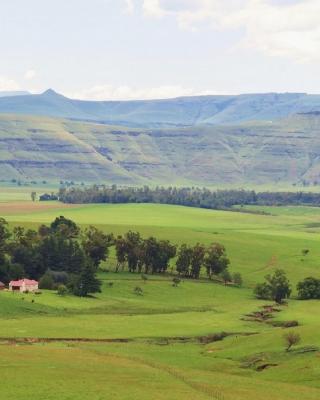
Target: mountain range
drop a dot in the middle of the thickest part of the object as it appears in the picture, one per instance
(207, 140)
(168, 113)
(283, 150)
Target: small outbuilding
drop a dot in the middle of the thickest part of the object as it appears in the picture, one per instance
(24, 285)
(2, 286)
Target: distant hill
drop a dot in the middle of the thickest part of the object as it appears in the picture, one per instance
(16, 93)
(283, 151)
(179, 112)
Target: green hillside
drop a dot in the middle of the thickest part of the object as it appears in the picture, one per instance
(283, 152)
(200, 340)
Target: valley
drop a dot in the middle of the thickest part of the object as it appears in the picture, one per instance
(198, 339)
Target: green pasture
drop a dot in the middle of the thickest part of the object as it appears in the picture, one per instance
(162, 354)
(256, 244)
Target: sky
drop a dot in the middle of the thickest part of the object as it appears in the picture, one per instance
(142, 49)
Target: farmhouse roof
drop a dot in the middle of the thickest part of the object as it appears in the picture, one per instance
(23, 281)
(2, 284)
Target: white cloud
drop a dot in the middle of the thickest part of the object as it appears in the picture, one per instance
(129, 6)
(109, 92)
(153, 8)
(7, 84)
(30, 74)
(287, 28)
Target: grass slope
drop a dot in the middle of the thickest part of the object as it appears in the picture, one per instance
(162, 356)
(256, 244)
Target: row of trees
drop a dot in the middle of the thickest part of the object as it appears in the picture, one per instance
(153, 256)
(277, 287)
(63, 254)
(192, 197)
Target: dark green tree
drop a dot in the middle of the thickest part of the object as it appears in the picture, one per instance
(216, 260)
(86, 282)
(166, 251)
(121, 252)
(4, 236)
(133, 242)
(183, 263)
(197, 259)
(276, 287)
(96, 245)
(66, 227)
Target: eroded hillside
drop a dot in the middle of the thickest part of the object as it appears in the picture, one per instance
(284, 150)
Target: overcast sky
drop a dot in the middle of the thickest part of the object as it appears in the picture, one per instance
(123, 49)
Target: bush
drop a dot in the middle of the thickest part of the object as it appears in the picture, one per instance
(226, 277)
(46, 282)
(262, 291)
(62, 290)
(59, 277)
(309, 288)
(291, 339)
(175, 282)
(237, 279)
(138, 291)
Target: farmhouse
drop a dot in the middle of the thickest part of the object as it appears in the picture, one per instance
(24, 285)
(2, 286)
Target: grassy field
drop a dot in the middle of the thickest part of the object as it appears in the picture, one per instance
(119, 345)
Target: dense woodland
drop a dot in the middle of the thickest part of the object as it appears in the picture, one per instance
(191, 197)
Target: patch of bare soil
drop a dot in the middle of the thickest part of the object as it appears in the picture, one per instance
(24, 207)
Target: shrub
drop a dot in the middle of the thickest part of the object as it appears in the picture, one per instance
(175, 282)
(237, 279)
(59, 276)
(46, 282)
(226, 277)
(291, 339)
(309, 288)
(62, 290)
(138, 291)
(262, 291)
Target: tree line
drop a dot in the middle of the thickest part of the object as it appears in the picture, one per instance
(191, 197)
(151, 255)
(63, 254)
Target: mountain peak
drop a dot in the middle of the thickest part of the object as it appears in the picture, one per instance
(51, 92)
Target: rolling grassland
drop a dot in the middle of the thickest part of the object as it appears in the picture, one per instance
(200, 340)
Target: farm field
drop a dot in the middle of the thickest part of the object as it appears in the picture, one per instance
(163, 345)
